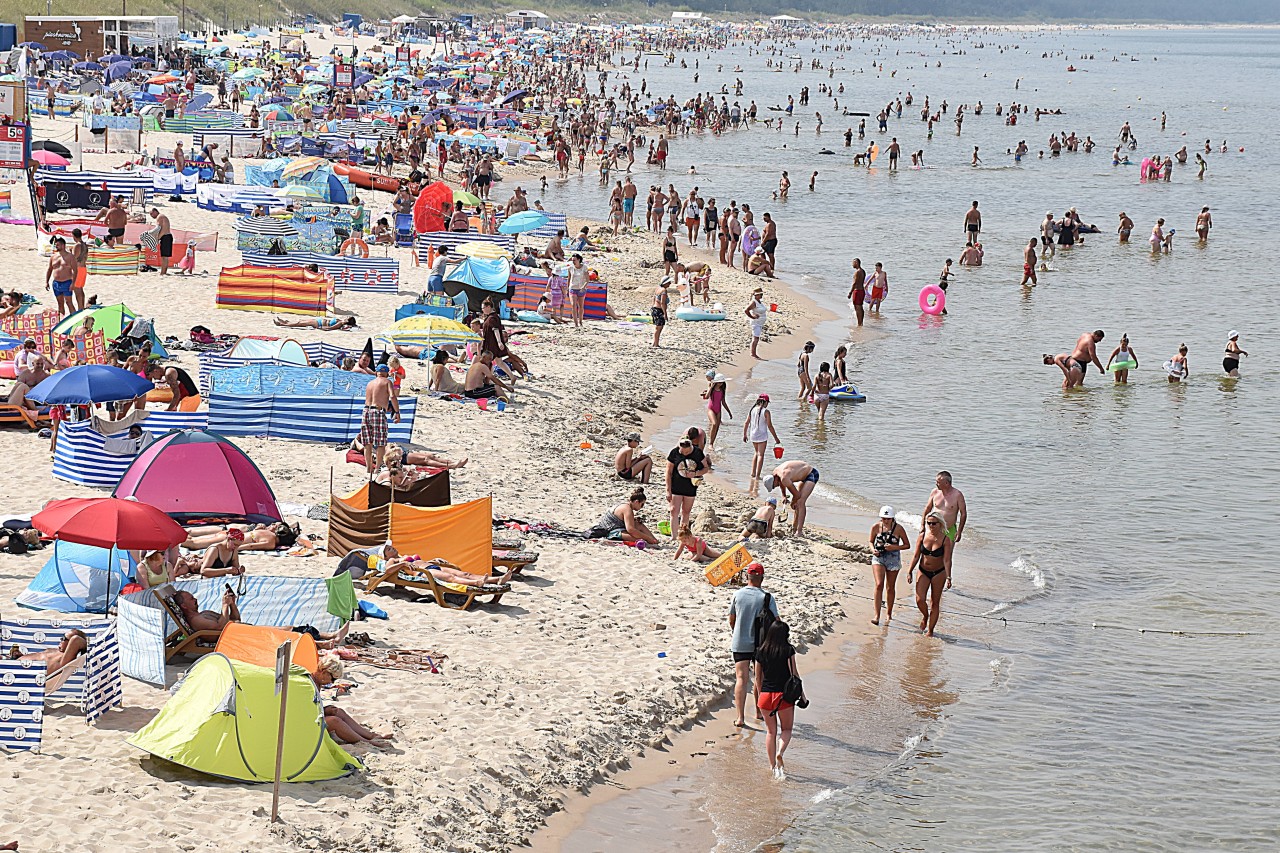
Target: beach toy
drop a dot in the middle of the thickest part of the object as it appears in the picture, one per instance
(664, 527)
(778, 451)
(483, 403)
(662, 654)
(502, 405)
(848, 394)
(938, 303)
(640, 545)
(688, 312)
(585, 445)
(1122, 365)
(773, 306)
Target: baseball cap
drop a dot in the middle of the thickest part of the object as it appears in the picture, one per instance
(755, 569)
(886, 511)
(764, 397)
(768, 483)
(382, 368)
(772, 501)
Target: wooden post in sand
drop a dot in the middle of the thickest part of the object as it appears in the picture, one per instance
(282, 690)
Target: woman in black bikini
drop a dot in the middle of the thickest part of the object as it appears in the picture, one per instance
(933, 557)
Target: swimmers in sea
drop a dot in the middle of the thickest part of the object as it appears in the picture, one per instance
(1204, 221)
(1126, 227)
(1177, 367)
(1122, 354)
(1231, 361)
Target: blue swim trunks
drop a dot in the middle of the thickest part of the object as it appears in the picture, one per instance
(628, 205)
(62, 288)
(813, 476)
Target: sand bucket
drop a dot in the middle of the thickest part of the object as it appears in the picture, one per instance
(773, 306)
(777, 452)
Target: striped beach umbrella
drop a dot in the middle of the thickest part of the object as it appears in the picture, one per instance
(266, 226)
(302, 167)
(304, 192)
(429, 331)
(476, 249)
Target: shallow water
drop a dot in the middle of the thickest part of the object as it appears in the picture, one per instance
(1139, 506)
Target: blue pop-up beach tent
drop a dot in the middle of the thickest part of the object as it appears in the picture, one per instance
(79, 579)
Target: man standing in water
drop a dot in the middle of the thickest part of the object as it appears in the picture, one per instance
(972, 223)
(1126, 227)
(1086, 352)
(949, 501)
(1029, 263)
(858, 292)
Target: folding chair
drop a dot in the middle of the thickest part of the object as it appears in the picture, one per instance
(404, 229)
(139, 201)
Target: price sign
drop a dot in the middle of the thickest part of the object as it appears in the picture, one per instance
(15, 146)
(343, 74)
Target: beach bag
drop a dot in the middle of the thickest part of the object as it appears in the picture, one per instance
(793, 691)
(764, 620)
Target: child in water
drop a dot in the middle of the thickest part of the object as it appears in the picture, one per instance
(1177, 366)
(1122, 354)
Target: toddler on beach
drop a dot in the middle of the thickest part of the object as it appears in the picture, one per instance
(188, 262)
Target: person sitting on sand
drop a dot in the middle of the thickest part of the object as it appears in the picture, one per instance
(73, 644)
(482, 382)
(759, 264)
(697, 547)
(159, 567)
(761, 524)
(324, 324)
(620, 524)
(439, 378)
(223, 558)
(382, 232)
(629, 463)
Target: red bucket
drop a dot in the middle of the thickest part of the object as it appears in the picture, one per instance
(773, 306)
(777, 452)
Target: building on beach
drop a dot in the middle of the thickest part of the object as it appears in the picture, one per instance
(689, 19)
(527, 19)
(101, 35)
(785, 21)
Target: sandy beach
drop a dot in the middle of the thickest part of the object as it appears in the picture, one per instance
(595, 659)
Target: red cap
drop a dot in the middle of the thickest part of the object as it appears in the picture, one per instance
(755, 569)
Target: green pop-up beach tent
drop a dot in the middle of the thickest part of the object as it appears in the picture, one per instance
(223, 720)
(111, 320)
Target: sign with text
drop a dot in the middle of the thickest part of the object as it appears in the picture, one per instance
(15, 146)
(343, 74)
(402, 53)
(13, 100)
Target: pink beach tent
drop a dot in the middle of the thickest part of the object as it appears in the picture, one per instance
(195, 473)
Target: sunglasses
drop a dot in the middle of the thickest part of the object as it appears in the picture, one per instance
(933, 523)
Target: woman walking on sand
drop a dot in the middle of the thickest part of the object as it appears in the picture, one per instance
(757, 429)
(933, 557)
(776, 660)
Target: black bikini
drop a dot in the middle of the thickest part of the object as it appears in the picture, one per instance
(931, 552)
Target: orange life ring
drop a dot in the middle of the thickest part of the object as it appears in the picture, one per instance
(361, 246)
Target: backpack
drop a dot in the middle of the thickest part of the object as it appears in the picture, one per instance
(764, 621)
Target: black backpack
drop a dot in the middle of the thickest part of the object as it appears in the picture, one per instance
(764, 621)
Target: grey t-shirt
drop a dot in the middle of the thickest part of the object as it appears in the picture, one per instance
(746, 606)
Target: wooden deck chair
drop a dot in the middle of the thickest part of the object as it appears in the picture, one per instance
(12, 413)
(508, 559)
(183, 640)
(445, 594)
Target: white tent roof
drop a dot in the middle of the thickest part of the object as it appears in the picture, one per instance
(286, 350)
(403, 19)
(782, 18)
(527, 13)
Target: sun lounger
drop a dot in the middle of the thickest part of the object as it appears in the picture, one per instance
(11, 413)
(183, 640)
(514, 559)
(54, 682)
(447, 595)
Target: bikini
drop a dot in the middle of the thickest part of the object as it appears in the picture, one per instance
(931, 552)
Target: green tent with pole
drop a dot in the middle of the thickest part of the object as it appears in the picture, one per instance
(223, 720)
(111, 320)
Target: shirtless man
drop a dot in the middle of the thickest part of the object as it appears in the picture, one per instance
(895, 151)
(1086, 352)
(1126, 227)
(949, 501)
(1047, 229)
(484, 176)
(858, 290)
(769, 241)
(165, 233)
(73, 644)
(629, 202)
(80, 249)
(482, 382)
(207, 620)
(972, 223)
(630, 463)
(797, 480)
(379, 398)
(1203, 223)
(1029, 264)
(60, 275)
(114, 216)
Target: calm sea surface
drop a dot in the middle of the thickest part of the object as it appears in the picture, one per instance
(1142, 506)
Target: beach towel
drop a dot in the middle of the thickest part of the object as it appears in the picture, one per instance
(120, 260)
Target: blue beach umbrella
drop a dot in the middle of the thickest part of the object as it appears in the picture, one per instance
(89, 383)
(525, 220)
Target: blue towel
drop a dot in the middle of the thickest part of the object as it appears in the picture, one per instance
(371, 610)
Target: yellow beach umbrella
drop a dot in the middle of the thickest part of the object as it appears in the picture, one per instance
(482, 250)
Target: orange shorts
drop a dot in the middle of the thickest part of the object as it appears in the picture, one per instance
(772, 702)
(82, 273)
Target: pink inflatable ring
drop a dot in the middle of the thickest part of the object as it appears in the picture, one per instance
(932, 299)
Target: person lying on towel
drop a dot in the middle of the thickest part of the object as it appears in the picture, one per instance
(442, 572)
(73, 644)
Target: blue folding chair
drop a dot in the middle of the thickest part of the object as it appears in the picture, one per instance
(404, 229)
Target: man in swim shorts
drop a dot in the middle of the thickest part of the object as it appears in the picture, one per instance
(628, 202)
(948, 500)
(1126, 227)
(1029, 263)
(165, 233)
(858, 290)
(114, 216)
(1086, 352)
(972, 222)
(60, 275)
(797, 480)
(379, 399)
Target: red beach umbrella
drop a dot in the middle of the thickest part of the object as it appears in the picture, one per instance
(108, 522)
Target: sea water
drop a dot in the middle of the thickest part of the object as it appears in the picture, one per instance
(1101, 520)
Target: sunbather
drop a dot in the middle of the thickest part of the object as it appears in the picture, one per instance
(324, 324)
(425, 458)
(257, 537)
(223, 558)
(443, 572)
(210, 620)
(73, 644)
